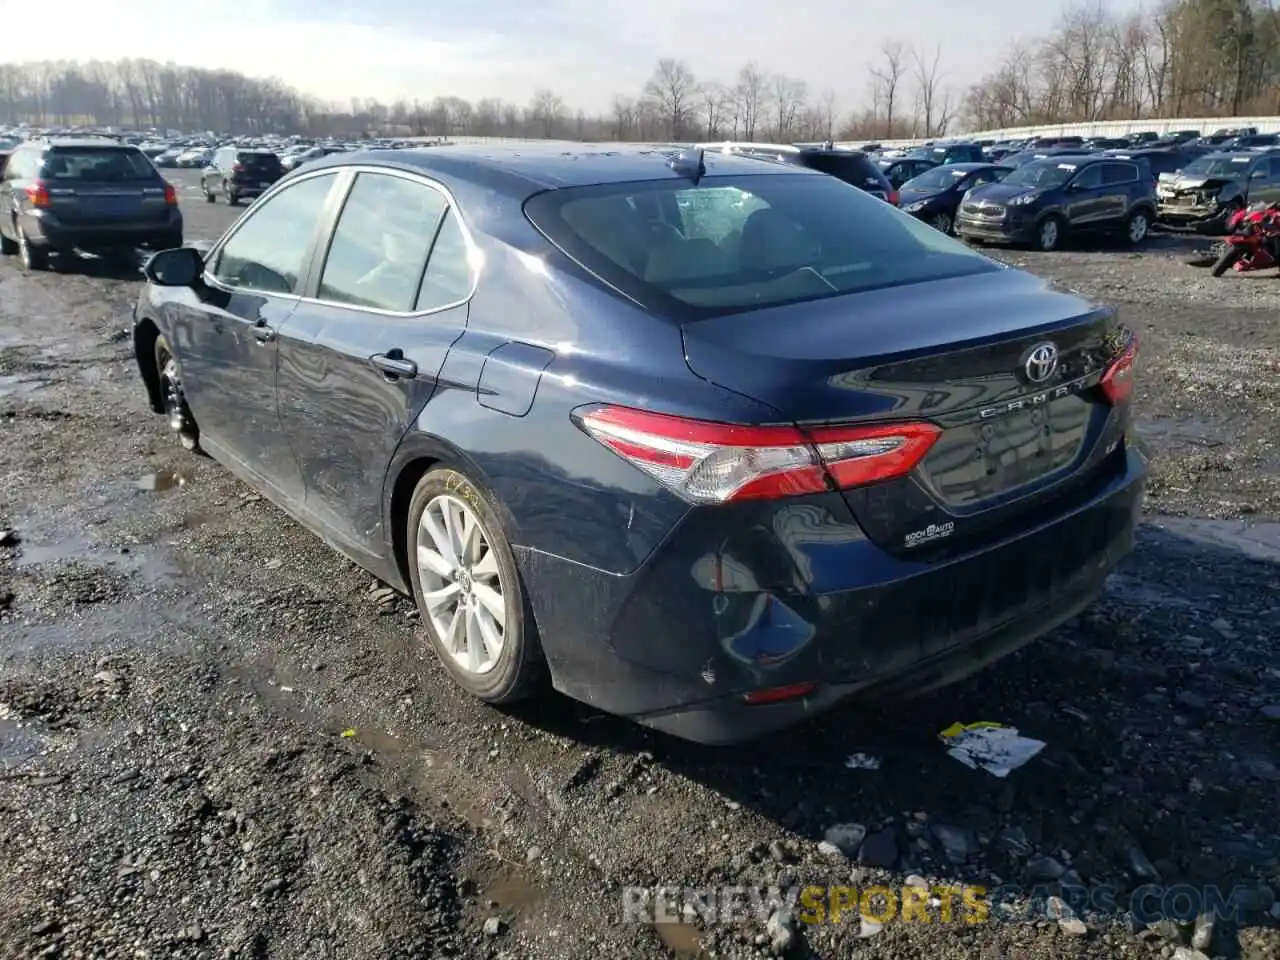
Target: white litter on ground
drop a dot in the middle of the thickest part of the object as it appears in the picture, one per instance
(992, 747)
(862, 761)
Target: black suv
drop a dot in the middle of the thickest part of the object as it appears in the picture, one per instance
(62, 195)
(852, 166)
(236, 173)
(1042, 201)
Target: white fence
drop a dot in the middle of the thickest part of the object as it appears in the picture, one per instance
(1097, 128)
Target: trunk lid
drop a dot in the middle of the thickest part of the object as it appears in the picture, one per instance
(954, 352)
(86, 202)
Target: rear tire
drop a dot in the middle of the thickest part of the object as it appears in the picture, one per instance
(233, 198)
(472, 603)
(8, 247)
(209, 195)
(33, 258)
(1138, 227)
(1225, 262)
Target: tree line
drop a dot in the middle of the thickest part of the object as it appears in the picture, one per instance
(1184, 58)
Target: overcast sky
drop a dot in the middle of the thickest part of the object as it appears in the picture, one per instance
(586, 50)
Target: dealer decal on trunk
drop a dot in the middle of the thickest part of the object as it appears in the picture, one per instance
(934, 531)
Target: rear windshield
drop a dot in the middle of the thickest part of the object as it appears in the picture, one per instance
(258, 161)
(106, 164)
(731, 244)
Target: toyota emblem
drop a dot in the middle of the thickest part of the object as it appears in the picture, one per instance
(1042, 362)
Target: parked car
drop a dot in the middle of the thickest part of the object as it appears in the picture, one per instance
(944, 153)
(237, 173)
(1203, 194)
(1044, 201)
(934, 196)
(899, 171)
(692, 434)
(168, 157)
(852, 166)
(295, 160)
(62, 195)
(1254, 141)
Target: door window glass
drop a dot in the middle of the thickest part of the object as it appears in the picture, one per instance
(380, 245)
(1088, 178)
(448, 276)
(269, 251)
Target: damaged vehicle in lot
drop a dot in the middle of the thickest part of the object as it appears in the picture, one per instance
(714, 444)
(1045, 201)
(1207, 192)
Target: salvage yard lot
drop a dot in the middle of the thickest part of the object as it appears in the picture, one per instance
(219, 739)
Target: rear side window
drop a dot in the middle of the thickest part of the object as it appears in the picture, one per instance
(379, 248)
(854, 169)
(1119, 173)
(103, 164)
(732, 244)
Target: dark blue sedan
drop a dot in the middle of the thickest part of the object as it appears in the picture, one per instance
(935, 195)
(708, 443)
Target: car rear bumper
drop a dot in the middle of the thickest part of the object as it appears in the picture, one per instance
(798, 595)
(43, 230)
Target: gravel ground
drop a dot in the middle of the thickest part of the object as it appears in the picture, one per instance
(217, 739)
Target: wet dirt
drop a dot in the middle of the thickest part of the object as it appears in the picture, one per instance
(210, 702)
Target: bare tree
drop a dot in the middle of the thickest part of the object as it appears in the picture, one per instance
(547, 110)
(752, 94)
(716, 103)
(886, 80)
(624, 118)
(672, 90)
(928, 79)
(788, 99)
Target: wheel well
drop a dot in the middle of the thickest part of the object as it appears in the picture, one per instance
(401, 495)
(144, 348)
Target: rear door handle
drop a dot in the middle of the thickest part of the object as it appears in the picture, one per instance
(264, 334)
(393, 364)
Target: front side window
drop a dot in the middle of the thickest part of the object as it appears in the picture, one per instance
(730, 244)
(268, 252)
(379, 248)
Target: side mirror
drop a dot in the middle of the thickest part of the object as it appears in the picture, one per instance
(1258, 175)
(174, 268)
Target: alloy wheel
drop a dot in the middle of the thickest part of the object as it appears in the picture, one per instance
(462, 587)
(942, 223)
(1138, 228)
(1049, 234)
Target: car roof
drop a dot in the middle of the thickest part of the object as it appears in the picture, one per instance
(1235, 155)
(525, 169)
(80, 142)
(968, 166)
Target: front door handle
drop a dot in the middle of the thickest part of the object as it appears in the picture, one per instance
(394, 364)
(263, 334)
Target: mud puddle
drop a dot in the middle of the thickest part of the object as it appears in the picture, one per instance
(153, 566)
(1260, 541)
(684, 940)
(162, 481)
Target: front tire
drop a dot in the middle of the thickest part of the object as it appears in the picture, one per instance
(176, 411)
(941, 222)
(1227, 260)
(468, 590)
(1049, 233)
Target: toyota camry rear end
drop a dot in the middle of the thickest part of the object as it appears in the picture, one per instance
(810, 449)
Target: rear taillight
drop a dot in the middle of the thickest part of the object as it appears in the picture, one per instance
(893, 197)
(1117, 381)
(796, 691)
(239, 168)
(38, 195)
(170, 195)
(707, 462)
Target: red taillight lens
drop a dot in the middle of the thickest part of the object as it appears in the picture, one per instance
(170, 195)
(707, 462)
(239, 168)
(38, 195)
(1117, 381)
(893, 197)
